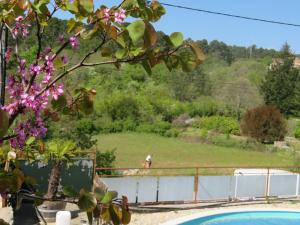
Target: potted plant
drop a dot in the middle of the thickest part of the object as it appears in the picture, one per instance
(57, 152)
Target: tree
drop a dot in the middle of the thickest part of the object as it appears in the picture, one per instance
(38, 81)
(239, 95)
(221, 50)
(264, 123)
(188, 86)
(281, 84)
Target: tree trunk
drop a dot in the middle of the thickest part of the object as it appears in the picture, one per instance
(3, 48)
(54, 180)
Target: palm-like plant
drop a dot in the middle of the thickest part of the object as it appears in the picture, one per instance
(57, 151)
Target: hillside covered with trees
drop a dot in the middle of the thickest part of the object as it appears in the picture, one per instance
(213, 97)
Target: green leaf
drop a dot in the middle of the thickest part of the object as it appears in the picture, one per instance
(158, 11)
(4, 123)
(30, 140)
(87, 5)
(176, 39)
(109, 196)
(114, 214)
(188, 66)
(86, 105)
(147, 67)
(150, 37)
(99, 193)
(198, 52)
(40, 6)
(121, 53)
(128, 4)
(106, 52)
(126, 216)
(70, 192)
(87, 201)
(136, 30)
(72, 25)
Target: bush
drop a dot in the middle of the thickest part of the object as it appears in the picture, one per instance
(222, 124)
(297, 131)
(206, 106)
(158, 127)
(105, 160)
(121, 107)
(86, 126)
(265, 124)
(225, 141)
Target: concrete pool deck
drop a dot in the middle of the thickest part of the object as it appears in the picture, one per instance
(159, 214)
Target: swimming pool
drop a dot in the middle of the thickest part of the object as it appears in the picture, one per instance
(242, 217)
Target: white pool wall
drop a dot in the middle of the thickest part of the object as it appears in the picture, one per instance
(222, 211)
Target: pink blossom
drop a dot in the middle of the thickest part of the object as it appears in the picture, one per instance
(19, 19)
(11, 108)
(106, 14)
(57, 91)
(8, 54)
(34, 69)
(22, 68)
(120, 16)
(74, 42)
(20, 27)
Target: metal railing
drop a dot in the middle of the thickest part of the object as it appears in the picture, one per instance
(202, 183)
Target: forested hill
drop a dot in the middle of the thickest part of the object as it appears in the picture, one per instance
(227, 83)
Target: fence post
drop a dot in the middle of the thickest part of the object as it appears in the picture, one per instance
(196, 182)
(297, 186)
(267, 183)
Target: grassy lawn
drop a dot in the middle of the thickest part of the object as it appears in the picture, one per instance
(132, 149)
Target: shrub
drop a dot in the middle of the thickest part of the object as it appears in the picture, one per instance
(86, 125)
(121, 107)
(222, 124)
(105, 160)
(297, 131)
(158, 127)
(206, 106)
(225, 141)
(265, 123)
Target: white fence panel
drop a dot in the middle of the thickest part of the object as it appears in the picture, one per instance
(283, 185)
(147, 189)
(215, 187)
(124, 186)
(251, 186)
(176, 188)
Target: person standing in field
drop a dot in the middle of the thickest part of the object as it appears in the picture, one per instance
(148, 162)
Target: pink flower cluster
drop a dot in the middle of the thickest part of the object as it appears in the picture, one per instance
(30, 128)
(74, 42)
(20, 27)
(29, 100)
(8, 54)
(119, 15)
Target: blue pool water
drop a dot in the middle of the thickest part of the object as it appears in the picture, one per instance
(249, 218)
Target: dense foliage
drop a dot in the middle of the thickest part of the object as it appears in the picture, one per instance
(265, 124)
(281, 84)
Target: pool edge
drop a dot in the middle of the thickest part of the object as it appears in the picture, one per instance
(222, 211)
